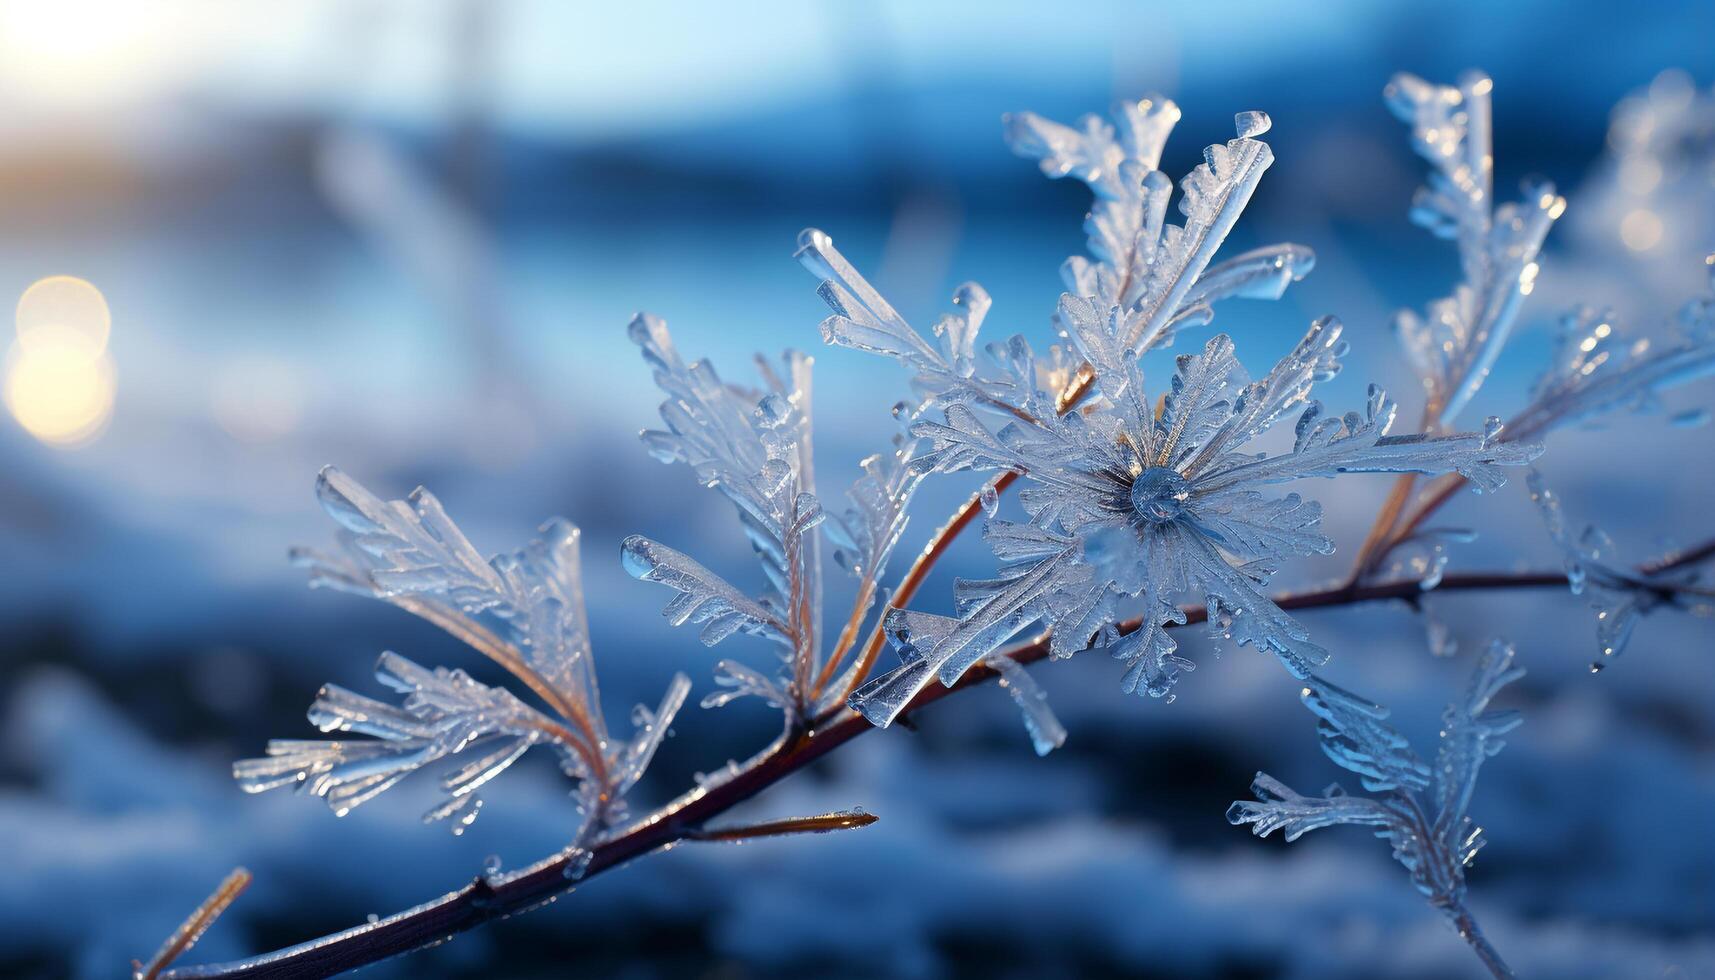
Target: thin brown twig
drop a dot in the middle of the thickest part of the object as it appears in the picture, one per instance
(821, 823)
(190, 930)
(486, 899)
(1068, 399)
(1381, 531)
(1679, 559)
(485, 642)
(919, 572)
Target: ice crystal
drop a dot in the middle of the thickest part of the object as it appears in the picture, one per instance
(754, 447)
(1421, 811)
(1126, 503)
(1455, 343)
(523, 609)
(1598, 369)
(1620, 595)
(1422, 557)
(1158, 273)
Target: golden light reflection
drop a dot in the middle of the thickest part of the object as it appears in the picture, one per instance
(64, 309)
(59, 380)
(58, 392)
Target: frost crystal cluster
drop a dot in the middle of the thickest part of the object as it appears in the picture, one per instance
(1421, 812)
(1130, 506)
(1136, 499)
(1455, 344)
(754, 447)
(522, 609)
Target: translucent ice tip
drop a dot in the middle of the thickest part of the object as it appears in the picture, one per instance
(1252, 124)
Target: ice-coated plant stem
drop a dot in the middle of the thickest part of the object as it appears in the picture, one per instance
(487, 898)
(1473, 934)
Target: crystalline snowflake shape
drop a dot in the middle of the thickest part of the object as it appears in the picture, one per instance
(1128, 504)
(523, 609)
(1422, 812)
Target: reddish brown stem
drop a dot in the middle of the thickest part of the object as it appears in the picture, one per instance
(485, 899)
(189, 931)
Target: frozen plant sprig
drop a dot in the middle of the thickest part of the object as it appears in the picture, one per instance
(1598, 368)
(1454, 345)
(522, 609)
(1127, 503)
(950, 376)
(1158, 273)
(755, 448)
(1620, 595)
(1422, 812)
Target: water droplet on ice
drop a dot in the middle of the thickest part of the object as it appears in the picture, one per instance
(491, 865)
(990, 498)
(372, 918)
(1596, 668)
(1253, 123)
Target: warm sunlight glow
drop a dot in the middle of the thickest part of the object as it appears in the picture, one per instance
(59, 393)
(81, 51)
(59, 378)
(62, 310)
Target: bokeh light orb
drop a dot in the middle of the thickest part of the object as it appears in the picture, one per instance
(58, 391)
(63, 310)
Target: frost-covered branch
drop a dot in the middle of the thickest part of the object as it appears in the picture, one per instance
(1598, 368)
(1134, 507)
(489, 898)
(524, 609)
(1421, 812)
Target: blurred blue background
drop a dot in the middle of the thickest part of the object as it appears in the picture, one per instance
(405, 237)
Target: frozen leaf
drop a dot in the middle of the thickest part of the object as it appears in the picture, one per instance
(445, 713)
(1278, 807)
(1470, 735)
(1355, 734)
(409, 553)
(947, 370)
(1152, 663)
(755, 448)
(704, 597)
